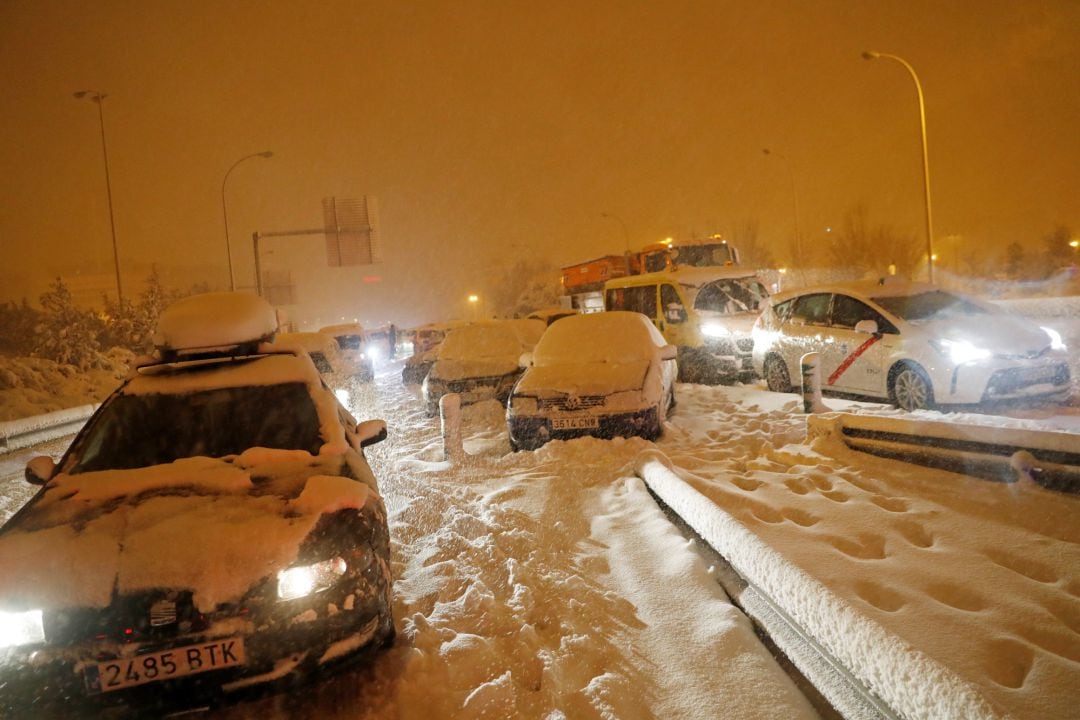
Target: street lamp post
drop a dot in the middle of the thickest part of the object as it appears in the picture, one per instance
(794, 202)
(872, 55)
(225, 211)
(99, 98)
(626, 233)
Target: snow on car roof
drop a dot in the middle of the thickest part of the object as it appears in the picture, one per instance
(353, 328)
(691, 276)
(614, 336)
(308, 341)
(214, 321)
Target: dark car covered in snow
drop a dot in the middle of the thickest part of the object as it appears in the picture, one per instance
(214, 527)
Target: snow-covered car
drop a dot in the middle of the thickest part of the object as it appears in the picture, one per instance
(605, 374)
(353, 348)
(480, 361)
(914, 345)
(214, 527)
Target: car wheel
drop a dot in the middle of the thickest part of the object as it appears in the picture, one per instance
(776, 375)
(910, 388)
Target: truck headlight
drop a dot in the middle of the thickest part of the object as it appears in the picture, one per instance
(21, 628)
(298, 582)
(714, 329)
(960, 351)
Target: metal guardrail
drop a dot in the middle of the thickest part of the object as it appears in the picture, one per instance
(25, 432)
(1003, 454)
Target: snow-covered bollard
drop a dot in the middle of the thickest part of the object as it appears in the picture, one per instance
(450, 415)
(811, 383)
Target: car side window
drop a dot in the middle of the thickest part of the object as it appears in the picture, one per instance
(847, 312)
(811, 309)
(674, 311)
(641, 299)
(783, 310)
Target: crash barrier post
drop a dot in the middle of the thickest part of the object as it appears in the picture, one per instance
(450, 415)
(811, 382)
(25, 432)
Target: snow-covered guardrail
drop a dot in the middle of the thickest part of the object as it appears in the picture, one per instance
(998, 453)
(16, 434)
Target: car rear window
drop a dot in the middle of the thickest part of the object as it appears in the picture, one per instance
(133, 431)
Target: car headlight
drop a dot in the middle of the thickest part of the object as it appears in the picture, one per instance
(960, 351)
(298, 582)
(374, 354)
(1056, 343)
(21, 628)
(714, 329)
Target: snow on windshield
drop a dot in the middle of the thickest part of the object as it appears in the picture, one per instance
(480, 341)
(730, 296)
(610, 337)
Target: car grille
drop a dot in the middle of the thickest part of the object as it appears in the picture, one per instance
(1029, 355)
(1011, 380)
(745, 344)
(569, 403)
(462, 386)
(133, 617)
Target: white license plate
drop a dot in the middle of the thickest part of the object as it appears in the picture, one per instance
(585, 422)
(153, 667)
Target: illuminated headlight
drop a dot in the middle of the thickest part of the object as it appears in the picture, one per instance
(374, 354)
(298, 582)
(21, 628)
(714, 329)
(1056, 343)
(960, 351)
(523, 404)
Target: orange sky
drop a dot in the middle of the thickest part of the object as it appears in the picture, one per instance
(489, 130)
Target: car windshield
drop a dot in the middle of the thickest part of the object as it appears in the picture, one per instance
(710, 255)
(928, 305)
(732, 295)
(349, 342)
(134, 431)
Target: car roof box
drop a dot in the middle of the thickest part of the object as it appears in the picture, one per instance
(214, 324)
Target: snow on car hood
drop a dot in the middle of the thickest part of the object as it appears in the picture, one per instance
(215, 527)
(583, 378)
(450, 369)
(1001, 334)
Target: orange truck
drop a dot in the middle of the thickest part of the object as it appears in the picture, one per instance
(583, 284)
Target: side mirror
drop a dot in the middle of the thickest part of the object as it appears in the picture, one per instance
(40, 470)
(370, 432)
(669, 352)
(525, 360)
(867, 326)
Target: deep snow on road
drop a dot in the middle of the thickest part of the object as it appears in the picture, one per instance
(549, 584)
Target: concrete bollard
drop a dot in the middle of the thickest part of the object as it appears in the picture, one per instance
(811, 383)
(450, 415)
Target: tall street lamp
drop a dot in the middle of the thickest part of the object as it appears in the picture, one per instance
(794, 202)
(872, 55)
(225, 211)
(99, 98)
(626, 233)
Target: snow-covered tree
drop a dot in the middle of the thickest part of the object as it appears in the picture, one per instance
(65, 333)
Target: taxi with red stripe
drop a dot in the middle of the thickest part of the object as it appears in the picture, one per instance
(917, 346)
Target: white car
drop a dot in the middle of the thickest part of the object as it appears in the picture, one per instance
(914, 345)
(354, 351)
(605, 374)
(480, 361)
